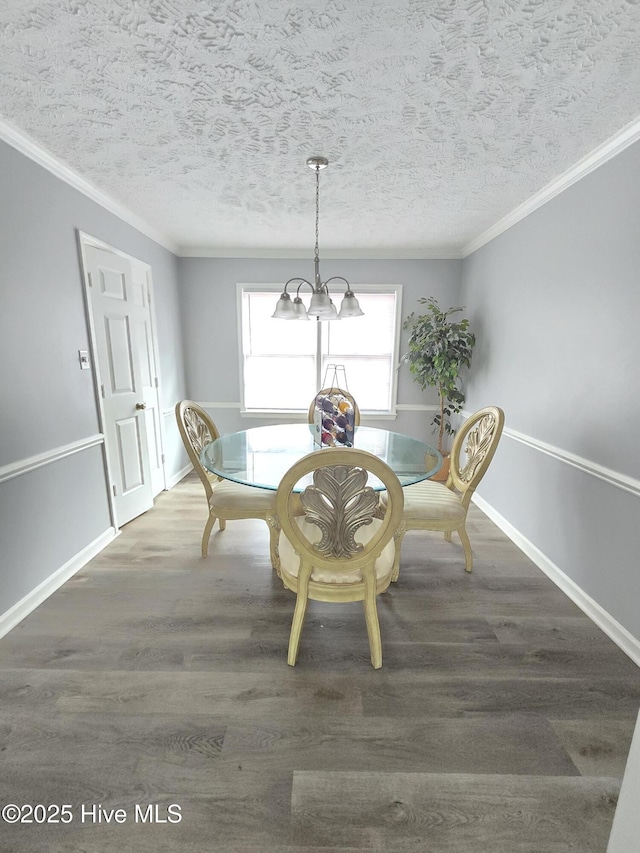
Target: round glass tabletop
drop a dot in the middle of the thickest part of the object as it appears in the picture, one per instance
(261, 456)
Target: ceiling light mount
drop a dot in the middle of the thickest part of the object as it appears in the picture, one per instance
(321, 305)
(317, 163)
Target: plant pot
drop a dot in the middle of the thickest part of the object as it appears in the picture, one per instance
(441, 475)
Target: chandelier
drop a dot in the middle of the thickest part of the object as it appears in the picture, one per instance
(321, 305)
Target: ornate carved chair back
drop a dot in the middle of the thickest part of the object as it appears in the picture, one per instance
(336, 505)
(336, 541)
(473, 449)
(197, 429)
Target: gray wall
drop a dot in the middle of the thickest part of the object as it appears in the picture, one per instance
(555, 301)
(47, 516)
(208, 292)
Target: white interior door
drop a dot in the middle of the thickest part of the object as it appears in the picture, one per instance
(152, 415)
(121, 322)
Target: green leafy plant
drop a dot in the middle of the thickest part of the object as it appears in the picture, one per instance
(438, 350)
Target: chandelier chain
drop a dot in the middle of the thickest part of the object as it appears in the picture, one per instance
(317, 251)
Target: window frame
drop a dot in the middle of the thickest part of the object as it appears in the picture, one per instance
(276, 289)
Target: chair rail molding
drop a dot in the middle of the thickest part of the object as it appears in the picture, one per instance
(417, 407)
(608, 475)
(23, 466)
(614, 478)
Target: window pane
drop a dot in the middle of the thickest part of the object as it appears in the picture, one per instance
(280, 371)
(365, 346)
(368, 377)
(265, 336)
(279, 382)
(373, 334)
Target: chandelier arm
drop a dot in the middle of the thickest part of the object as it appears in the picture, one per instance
(335, 278)
(301, 280)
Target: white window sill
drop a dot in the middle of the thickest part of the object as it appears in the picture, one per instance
(302, 416)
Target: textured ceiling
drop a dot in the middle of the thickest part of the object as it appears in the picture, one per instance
(439, 117)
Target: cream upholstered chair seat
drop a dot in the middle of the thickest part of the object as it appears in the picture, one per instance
(236, 497)
(430, 499)
(290, 561)
(430, 505)
(337, 541)
(226, 500)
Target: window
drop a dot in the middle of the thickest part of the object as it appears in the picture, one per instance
(283, 362)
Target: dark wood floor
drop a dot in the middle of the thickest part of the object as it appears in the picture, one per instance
(499, 722)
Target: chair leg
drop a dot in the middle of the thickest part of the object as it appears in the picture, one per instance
(296, 627)
(466, 544)
(274, 536)
(304, 573)
(398, 536)
(371, 618)
(447, 535)
(222, 523)
(207, 533)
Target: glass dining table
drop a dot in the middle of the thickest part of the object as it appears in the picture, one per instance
(262, 455)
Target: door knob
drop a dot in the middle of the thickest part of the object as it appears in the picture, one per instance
(141, 405)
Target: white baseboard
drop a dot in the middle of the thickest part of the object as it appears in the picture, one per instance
(33, 599)
(613, 629)
(175, 479)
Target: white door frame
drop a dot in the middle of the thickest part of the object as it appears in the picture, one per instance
(85, 240)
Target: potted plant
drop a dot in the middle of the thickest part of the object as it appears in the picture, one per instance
(439, 348)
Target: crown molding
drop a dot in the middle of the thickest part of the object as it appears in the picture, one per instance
(30, 148)
(440, 253)
(625, 137)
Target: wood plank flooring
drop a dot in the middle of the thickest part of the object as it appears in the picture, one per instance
(499, 723)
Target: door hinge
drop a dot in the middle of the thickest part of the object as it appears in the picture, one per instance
(157, 383)
(162, 457)
(115, 493)
(102, 391)
(90, 277)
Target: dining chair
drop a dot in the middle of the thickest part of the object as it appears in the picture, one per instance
(226, 500)
(430, 505)
(337, 391)
(336, 541)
